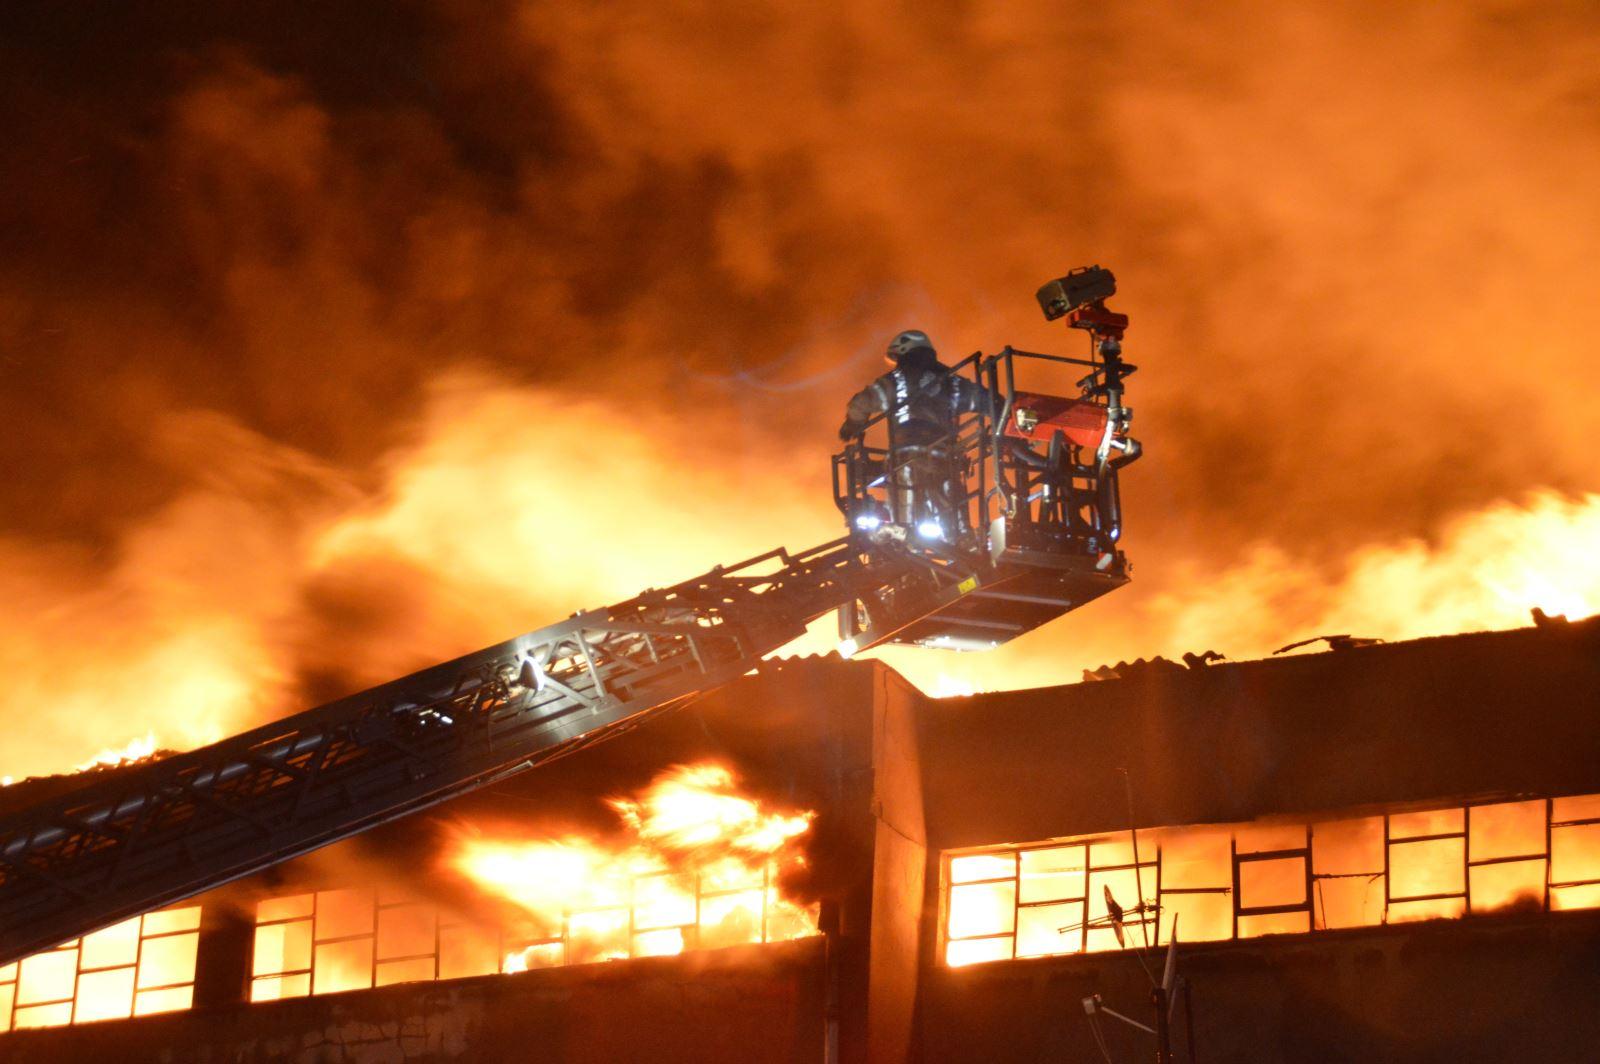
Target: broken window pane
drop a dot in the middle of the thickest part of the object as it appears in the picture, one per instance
(1039, 929)
(1275, 881)
(1348, 900)
(1053, 874)
(1428, 822)
(974, 867)
(1509, 829)
(982, 909)
(1347, 867)
(1508, 885)
(1432, 867)
(340, 966)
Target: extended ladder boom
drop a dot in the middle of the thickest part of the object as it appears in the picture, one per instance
(154, 833)
(1023, 507)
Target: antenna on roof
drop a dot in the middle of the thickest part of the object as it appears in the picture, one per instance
(1163, 995)
(1163, 999)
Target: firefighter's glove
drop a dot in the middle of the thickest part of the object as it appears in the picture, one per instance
(848, 430)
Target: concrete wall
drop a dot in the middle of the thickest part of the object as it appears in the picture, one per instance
(899, 880)
(1472, 715)
(1500, 991)
(746, 1005)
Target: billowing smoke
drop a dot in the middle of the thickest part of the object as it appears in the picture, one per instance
(335, 346)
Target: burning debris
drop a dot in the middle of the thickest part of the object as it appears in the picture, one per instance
(138, 749)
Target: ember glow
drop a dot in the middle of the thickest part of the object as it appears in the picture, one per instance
(698, 865)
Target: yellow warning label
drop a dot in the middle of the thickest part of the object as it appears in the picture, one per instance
(967, 585)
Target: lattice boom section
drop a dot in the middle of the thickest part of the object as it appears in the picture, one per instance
(147, 836)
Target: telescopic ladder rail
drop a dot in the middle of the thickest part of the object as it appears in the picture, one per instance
(148, 835)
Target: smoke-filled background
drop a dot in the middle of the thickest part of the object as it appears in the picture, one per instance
(338, 340)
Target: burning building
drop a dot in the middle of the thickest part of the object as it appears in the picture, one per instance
(1376, 851)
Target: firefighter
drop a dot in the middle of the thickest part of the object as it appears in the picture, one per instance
(922, 399)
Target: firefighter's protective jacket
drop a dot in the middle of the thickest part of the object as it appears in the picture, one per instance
(922, 398)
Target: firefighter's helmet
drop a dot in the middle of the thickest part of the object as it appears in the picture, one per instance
(911, 343)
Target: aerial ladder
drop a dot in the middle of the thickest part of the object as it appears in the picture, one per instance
(1032, 516)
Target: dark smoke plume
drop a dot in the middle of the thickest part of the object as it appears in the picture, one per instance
(336, 341)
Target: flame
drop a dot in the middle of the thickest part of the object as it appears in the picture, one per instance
(693, 808)
(697, 862)
(134, 750)
(1482, 570)
(689, 266)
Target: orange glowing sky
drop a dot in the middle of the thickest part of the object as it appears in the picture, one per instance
(321, 363)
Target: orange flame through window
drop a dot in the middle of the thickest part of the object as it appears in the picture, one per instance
(699, 865)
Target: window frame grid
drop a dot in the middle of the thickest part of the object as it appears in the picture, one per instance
(1544, 855)
(1015, 879)
(138, 963)
(1306, 854)
(1091, 869)
(310, 918)
(75, 947)
(1242, 911)
(506, 940)
(79, 970)
(1389, 841)
(1551, 824)
(378, 958)
(1082, 929)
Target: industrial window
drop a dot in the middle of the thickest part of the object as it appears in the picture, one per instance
(329, 941)
(138, 967)
(1226, 881)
